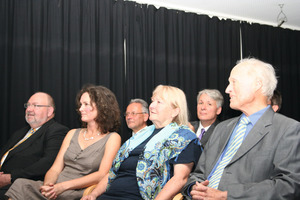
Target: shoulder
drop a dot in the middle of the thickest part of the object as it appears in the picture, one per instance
(114, 136)
(282, 123)
(228, 122)
(71, 133)
(281, 119)
(114, 140)
(56, 124)
(186, 132)
(53, 126)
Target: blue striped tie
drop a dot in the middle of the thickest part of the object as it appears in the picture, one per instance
(231, 150)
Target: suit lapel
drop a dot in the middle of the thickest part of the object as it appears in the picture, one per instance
(31, 139)
(16, 137)
(208, 133)
(259, 130)
(226, 134)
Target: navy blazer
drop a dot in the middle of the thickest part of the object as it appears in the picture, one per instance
(32, 158)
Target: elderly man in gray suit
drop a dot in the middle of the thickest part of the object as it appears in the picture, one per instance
(255, 155)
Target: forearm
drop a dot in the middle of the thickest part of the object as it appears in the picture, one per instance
(101, 186)
(51, 177)
(83, 182)
(172, 188)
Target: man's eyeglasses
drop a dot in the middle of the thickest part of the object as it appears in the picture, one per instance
(27, 105)
(133, 113)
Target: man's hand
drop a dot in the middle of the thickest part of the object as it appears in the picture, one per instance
(5, 179)
(200, 191)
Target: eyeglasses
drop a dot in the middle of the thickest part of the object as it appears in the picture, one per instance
(27, 105)
(133, 113)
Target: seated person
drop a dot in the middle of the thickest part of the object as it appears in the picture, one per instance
(156, 162)
(137, 115)
(86, 154)
(276, 101)
(30, 151)
(209, 106)
(252, 156)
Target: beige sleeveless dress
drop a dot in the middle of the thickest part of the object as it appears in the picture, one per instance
(78, 163)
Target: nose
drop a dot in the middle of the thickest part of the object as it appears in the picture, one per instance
(152, 104)
(228, 89)
(29, 108)
(80, 108)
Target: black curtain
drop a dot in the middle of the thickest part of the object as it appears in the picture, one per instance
(189, 51)
(281, 48)
(57, 46)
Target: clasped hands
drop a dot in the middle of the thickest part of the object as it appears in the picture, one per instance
(201, 191)
(51, 191)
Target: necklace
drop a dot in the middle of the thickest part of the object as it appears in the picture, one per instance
(91, 138)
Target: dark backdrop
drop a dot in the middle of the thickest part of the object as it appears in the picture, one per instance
(57, 46)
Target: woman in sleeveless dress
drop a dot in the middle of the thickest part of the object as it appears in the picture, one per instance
(86, 154)
(154, 163)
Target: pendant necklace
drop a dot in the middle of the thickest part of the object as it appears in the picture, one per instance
(91, 138)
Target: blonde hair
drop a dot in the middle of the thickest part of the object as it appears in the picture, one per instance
(175, 97)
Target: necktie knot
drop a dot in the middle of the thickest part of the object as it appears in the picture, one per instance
(245, 121)
(32, 130)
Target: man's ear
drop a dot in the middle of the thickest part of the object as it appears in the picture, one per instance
(219, 110)
(50, 111)
(275, 108)
(146, 117)
(258, 84)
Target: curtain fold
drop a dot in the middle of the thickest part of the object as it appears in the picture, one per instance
(57, 46)
(281, 48)
(186, 50)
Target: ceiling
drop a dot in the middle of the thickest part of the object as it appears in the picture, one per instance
(257, 11)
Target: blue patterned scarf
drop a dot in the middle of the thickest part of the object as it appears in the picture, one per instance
(153, 168)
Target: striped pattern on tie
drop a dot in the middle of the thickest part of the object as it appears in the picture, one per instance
(32, 130)
(231, 150)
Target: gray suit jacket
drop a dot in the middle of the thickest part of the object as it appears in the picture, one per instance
(267, 164)
(207, 134)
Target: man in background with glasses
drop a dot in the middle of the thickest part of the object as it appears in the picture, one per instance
(137, 115)
(30, 151)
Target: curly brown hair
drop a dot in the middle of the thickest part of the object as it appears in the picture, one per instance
(108, 117)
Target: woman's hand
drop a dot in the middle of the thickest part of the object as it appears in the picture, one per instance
(51, 191)
(89, 197)
(48, 191)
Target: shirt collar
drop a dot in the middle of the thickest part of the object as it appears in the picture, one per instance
(255, 116)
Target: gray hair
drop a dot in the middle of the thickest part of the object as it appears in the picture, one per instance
(214, 94)
(264, 71)
(142, 102)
